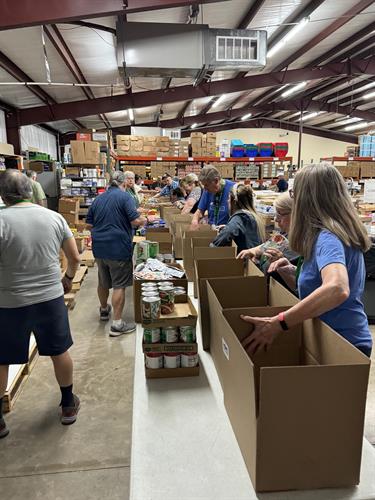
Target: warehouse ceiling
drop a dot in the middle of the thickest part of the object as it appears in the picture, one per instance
(320, 52)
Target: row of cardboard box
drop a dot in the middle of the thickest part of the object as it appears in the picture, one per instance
(297, 410)
(87, 153)
(357, 169)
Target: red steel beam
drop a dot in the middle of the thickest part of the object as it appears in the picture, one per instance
(275, 123)
(23, 13)
(68, 110)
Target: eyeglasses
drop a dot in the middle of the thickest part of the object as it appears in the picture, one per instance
(291, 193)
(279, 215)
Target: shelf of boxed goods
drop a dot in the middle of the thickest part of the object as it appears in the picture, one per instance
(356, 167)
(205, 159)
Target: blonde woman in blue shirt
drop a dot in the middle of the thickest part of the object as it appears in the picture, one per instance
(328, 233)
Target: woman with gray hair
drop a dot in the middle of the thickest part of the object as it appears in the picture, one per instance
(190, 184)
(327, 232)
(215, 198)
(31, 289)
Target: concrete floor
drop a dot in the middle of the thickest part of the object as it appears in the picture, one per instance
(370, 407)
(91, 459)
(41, 459)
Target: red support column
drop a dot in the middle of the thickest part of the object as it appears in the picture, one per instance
(13, 135)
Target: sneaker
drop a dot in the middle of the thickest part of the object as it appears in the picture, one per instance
(69, 413)
(104, 313)
(116, 331)
(4, 431)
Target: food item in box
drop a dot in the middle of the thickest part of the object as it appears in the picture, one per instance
(153, 249)
(151, 335)
(189, 359)
(172, 360)
(151, 308)
(154, 360)
(166, 295)
(187, 334)
(169, 335)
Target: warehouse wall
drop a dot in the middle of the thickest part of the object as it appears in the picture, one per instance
(313, 148)
(42, 140)
(3, 132)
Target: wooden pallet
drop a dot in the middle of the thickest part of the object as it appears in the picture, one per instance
(69, 299)
(19, 380)
(87, 258)
(79, 277)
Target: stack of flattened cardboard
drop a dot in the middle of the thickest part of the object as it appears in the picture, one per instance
(203, 232)
(297, 410)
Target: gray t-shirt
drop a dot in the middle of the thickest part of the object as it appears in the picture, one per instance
(31, 237)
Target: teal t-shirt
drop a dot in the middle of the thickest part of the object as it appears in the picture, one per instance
(348, 319)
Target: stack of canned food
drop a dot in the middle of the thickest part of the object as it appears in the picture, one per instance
(158, 298)
(170, 335)
(147, 250)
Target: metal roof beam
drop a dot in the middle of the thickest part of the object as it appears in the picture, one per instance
(250, 14)
(68, 110)
(23, 13)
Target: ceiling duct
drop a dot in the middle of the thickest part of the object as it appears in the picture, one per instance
(182, 50)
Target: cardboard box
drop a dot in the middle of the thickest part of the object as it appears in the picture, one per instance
(71, 219)
(6, 149)
(244, 291)
(184, 314)
(69, 205)
(298, 409)
(164, 239)
(137, 293)
(212, 268)
(80, 242)
(181, 227)
(202, 231)
(85, 152)
(172, 372)
(78, 151)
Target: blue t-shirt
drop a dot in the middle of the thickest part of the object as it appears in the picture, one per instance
(349, 318)
(166, 191)
(207, 202)
(112, 233)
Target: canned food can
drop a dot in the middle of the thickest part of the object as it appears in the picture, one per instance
(151, 335)
(168, 258)
(179, 291)
(154, 360)
(162, 284)
(153, 249)
(150, 293)
(189, 359)
(187, 334)
(172, 360)
(169, 334)
(149, 285)
(150, 309)
(143, 250)
(166, 295)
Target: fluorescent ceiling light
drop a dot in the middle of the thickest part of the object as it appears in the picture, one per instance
(220, 100)
(369, 95)
(357, 126)
(194, 125)
(311, 115)
(131, 114)
(245, 117)
(294, 89)
(291, 34)
(347, 121)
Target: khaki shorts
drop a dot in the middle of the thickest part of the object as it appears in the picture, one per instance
(115, 273)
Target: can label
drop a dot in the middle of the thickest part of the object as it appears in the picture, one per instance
(187, 334)
(153, 249)
(150, 309)
(143, 250)
(151, 335)
(166, 295)
(172, 360)
(169, 335)
(189, 359)
(154, 360)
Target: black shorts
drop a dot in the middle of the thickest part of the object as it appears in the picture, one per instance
(47, 320)
(115, 273)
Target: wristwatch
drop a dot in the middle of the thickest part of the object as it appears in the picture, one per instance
(281, 318)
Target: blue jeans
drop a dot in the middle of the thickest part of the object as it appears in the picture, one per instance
(366, 350)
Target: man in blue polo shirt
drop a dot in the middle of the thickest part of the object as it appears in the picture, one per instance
(112, 217)
(215, 197)
(170, 185)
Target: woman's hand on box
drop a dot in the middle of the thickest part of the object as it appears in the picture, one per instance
(273, 254)
(246, 254)
(280, 264)
(265, 330)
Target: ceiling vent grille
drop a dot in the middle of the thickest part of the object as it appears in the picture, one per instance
(238, 49)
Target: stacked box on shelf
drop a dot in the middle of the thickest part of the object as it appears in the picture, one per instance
(268, 170)
(196, 143)
(367, 169)
(247, 171)
(367, 145)
(69, 209)
(352, 169)
(85, 152)
(211, 143)
(226, 169)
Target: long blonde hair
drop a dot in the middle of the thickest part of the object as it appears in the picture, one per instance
(242, 198)
(322, 202)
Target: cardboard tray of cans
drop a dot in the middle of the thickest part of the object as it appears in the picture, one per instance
(172, 372)
(184, 314)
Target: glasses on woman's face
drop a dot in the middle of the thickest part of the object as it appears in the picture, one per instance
(291, 193)
(281, 215)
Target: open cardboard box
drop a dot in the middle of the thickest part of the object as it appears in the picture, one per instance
(205, 237)
(164, 238)
(298, 409)
(137, 289)
(184, 314)
(220, 268)
(200, 253)
(235, 292)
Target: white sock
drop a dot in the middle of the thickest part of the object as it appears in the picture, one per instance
(117, 322)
